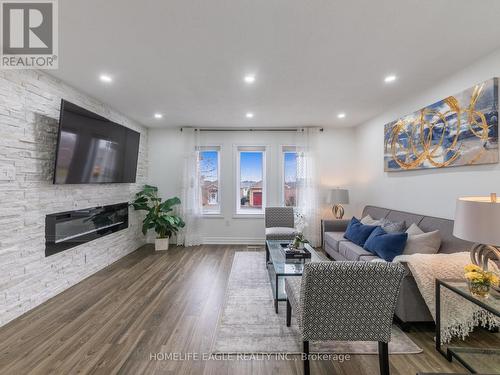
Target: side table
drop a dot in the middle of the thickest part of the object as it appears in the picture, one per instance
(476, 360)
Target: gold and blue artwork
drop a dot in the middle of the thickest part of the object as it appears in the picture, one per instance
(459, 130)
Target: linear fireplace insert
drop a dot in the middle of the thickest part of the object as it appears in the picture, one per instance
(65, 230)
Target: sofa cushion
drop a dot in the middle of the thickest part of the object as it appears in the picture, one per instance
(342, 249)
(376, 212)
(335, 255)
(351, 251)
(368, 220)
(407, 217)
(414, 229)
(388, 225)
(449, 243)
(392, 226)
(357, 232)
(280, 233)
(386, 245)
(423, 243)
(370, 258)
(333, 239)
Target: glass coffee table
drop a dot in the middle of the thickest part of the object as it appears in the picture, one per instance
(279, 267)
(476, 360)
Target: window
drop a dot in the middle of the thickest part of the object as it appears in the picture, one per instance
(209, 169)
(289, 187)
(251, 181)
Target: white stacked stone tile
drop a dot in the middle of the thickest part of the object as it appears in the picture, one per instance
(29, 115)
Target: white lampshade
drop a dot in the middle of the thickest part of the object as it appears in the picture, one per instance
(338, 196)
(477, 219)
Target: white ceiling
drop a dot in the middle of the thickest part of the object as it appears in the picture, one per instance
(312, 58)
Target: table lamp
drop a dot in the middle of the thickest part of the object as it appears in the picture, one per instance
(338, 197)
(477, 219)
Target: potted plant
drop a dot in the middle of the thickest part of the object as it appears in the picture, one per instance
(159, 217)
(299, 241)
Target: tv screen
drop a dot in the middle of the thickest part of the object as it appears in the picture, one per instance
(92, 149)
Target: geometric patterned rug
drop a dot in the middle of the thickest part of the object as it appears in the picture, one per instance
(248, 323)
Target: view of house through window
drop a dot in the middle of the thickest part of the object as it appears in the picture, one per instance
(251, 181)
(209, 162)
(289, 176)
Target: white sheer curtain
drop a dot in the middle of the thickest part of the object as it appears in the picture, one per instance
(191, 209)
(308, 198)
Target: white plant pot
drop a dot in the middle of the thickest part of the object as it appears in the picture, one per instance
(161, 244)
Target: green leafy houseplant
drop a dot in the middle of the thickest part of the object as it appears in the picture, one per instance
(160, 216)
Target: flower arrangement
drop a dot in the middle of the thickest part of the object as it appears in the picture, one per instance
(479, 280)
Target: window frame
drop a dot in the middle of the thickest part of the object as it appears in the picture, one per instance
(218, 149)
(242, 212)
(283, 150)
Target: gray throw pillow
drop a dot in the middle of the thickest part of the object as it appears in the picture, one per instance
(420, 242)
(414, 229)
(368, 220)
(393, 226)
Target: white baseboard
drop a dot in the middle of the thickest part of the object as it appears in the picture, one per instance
(233, 240)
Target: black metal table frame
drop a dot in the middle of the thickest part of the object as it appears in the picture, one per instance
(450, 353)
(277, 276)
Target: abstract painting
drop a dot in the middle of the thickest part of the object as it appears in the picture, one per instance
(459, 130)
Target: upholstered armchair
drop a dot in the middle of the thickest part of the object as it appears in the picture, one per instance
(280, 223)
(345, 301)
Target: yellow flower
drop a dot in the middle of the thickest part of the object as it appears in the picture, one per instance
(495, 280)
(472, 268)
(474, 276)
(469, 275)
(491, 278)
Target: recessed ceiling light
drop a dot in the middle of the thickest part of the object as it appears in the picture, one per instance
(249, 78)
(158, 115)
(249, 115)
(341, 115)
(106, 78)
(390, 78)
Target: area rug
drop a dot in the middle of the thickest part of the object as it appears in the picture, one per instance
(249, 324)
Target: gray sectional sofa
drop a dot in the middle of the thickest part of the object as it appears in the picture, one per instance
(411, 306)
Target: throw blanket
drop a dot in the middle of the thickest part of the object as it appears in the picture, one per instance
(458, 316)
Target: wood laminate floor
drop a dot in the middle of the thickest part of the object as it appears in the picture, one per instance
(116, 320)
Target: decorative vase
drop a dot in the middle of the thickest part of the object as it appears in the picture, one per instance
(479, 289)
(161, 244)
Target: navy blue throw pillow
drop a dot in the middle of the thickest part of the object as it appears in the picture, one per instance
(386, 245)
(357, 232)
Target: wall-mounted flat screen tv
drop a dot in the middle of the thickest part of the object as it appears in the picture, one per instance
(94, 150)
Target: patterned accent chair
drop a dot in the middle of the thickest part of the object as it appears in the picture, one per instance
(345, 301)
(280, 223)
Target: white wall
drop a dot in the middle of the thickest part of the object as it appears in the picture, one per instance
(165, 170)
(29, 116)
(351, 158)
(431, 192)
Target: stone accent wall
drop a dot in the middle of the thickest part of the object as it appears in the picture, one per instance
(29, 116)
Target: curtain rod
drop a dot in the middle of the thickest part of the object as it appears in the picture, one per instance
(252, 129)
